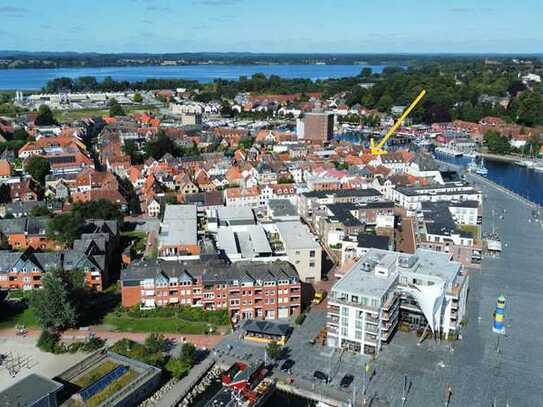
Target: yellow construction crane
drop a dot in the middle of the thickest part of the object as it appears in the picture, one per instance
(378, 149)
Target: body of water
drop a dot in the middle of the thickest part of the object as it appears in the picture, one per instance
(523, 181)
(33, 79)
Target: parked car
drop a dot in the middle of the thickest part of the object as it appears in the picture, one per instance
(320, 376)
(346, 381)
(287, 365)
(319, 297)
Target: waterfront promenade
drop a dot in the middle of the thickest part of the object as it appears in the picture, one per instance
(479, 369)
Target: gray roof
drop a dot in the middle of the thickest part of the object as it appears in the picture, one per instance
(212, 270)
(179, 226)
(29, 391)
(266, 327)
(282, 208)
(296, 235)
(229, 215)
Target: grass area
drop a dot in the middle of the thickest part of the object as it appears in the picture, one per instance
(473, 229)
(70, 115)
(96, 373)
(11, 317)
(112, 388)
(158, 324)
(139, 240)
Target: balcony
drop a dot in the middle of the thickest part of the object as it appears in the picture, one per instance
(334, 309)
(370, 338)
(332, 330)
(371, 329)
(332, 319)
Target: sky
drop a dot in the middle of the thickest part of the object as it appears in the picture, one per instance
(358, 26)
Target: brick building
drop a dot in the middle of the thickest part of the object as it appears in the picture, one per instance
(246, 289)
(318, 127)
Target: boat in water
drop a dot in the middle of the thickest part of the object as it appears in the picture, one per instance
(448, 151)
(244, 386)
(477, 168)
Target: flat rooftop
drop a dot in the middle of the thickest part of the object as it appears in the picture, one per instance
(296, 235)
(28, 391)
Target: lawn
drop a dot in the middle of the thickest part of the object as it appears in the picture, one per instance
(96, 373)
(11, 317)
(158, 324)
(473, 229)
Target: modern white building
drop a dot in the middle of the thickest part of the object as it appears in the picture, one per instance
(384, 289)
(410, 197)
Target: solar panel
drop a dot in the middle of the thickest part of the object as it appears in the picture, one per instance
(103, 382)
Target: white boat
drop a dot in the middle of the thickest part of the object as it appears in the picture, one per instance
(448, 151)
(480, 168)
(538, 167)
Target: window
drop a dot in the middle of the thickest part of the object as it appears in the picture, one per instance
(311, 264)
(312, 253)
(344, 331)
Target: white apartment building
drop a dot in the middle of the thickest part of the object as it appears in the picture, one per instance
(412, 196)
(384, 288)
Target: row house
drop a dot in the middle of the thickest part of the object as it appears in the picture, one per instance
(247, 290)
(23, 233)
(25, 270)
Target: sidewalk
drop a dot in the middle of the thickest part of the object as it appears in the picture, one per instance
(200, 341)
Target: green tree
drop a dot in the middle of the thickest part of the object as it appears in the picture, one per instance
(64, 228)
(38, 211)
(274, 350)
(54, 304)
(20, 134)
(137, 98)
(45, 116)
(529, 108)
(161, 145)
(496, 143)
(188, 352)
(115, 108)
(156, 343)
(131, 149)
(38, 168)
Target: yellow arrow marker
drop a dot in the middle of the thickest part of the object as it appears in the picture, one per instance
(378, 149)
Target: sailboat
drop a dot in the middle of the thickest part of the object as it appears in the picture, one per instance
(481, 169)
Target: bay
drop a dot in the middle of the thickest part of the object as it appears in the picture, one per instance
(523, 181)
(34, 79)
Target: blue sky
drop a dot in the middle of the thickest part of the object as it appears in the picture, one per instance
(272, 25)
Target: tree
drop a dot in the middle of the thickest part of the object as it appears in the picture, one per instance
(45, 116)
(20, 134)
(496, 143)
(38, 167)
(38, 211)
(115, 108)
(274, 350)
(5, 195)
(156, 343)
(131, 149)
(54, 303)
(188, 352)
(64, 228)
(160, 146)
(529, 109)
(137, 98)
